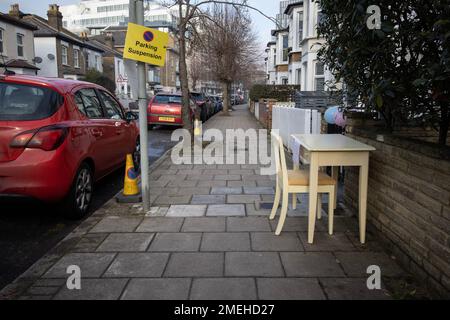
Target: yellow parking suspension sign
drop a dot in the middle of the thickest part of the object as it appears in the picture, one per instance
(145, 45)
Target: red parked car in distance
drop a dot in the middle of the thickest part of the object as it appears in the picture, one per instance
(57, 137)
(165, 109)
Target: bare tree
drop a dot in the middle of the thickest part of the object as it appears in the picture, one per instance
(230, 45)
(189, 13)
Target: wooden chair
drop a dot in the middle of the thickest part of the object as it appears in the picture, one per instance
(297, 182)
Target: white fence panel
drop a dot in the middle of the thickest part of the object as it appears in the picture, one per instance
(289, 120)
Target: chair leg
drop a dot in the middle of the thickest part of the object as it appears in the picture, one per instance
(294, 201)
(276, 203)
(319, 206)
(284, 207)
(331, 212)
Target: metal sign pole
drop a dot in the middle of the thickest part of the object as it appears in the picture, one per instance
(138, 18)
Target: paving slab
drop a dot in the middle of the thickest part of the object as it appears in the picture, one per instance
(223, 289)
(165, 200)
(268, 241)
(356, 263)
(89, 242)
(157, 289)
(94, 289)
(159, 224)
(195, 265)
(193, 191)
(212, 183)
(325, 242)
(253, 264)
(247, 224)
(289, 289)
(92, 265)
(213, 242)
(116, 224)
(137, 265)
(126, 242)
(293, 224)
(259, 190)
(208, 224)
(227, 177)
(226, 190)
(352, 289)
(227, 210)
(176, 242)
(208, 199)
(186, 211)
(311, 264)
(241, 184)
(243, 198)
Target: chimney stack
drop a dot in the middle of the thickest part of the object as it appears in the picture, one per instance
(14, 11)
(54, 16)
(109, 40)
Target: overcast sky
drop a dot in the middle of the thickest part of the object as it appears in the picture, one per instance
(262, 24)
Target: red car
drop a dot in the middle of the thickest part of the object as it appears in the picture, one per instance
(57, 137)
(165, 109)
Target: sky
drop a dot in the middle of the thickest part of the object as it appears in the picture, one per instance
(262, 25)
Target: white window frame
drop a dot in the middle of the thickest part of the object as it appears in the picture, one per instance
(65, 57)
(20, 45)
(319, 76)
(76, 58)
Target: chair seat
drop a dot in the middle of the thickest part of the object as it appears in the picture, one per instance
(301, 178)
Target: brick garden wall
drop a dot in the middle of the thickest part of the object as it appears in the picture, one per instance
(409, 204)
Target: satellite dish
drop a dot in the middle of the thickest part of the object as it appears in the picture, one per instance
(37, 59)
(51, 56)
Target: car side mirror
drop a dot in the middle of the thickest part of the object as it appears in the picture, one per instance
(131, 116)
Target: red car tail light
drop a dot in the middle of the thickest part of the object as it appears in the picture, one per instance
(47, 138)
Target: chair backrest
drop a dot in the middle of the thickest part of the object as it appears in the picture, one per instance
(280, 158)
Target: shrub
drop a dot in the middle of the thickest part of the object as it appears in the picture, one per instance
(278, 92)
(94, 76)
(402, 70)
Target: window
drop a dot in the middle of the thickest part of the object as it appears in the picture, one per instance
(92, 106)
(96, 65)
(274, 57)
(24, 102)
(76, 58)
(284, 81)
(1, 40)
(20, 45)
(112, 108)
(300, 27)
(79, 103)
(64, 59)
(163, 99)
(285, 47)
(320, 77)
(299, 76)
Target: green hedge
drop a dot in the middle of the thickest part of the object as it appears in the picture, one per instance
(277, 92)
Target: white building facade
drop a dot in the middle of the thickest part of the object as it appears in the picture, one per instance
(92, 16)
(302, 66)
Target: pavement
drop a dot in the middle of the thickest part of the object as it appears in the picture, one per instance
(208, 238)
(29, 230)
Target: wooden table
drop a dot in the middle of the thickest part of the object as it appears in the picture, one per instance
(335, 150)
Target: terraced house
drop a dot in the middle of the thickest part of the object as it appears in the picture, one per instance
(292, 53)
(59, 52)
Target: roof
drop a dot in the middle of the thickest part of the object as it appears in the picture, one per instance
(46, 30)
(96, 40)
(292, 6)
(271, 43)
(16, 63)
(59, 84)
(8, 19)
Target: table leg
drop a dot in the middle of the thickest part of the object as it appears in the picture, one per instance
(363, 186)
(335, 175)
(313, 186)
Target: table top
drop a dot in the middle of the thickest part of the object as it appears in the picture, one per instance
(330, 142)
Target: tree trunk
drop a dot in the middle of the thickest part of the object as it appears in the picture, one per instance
(184, 81)
(226, 86)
